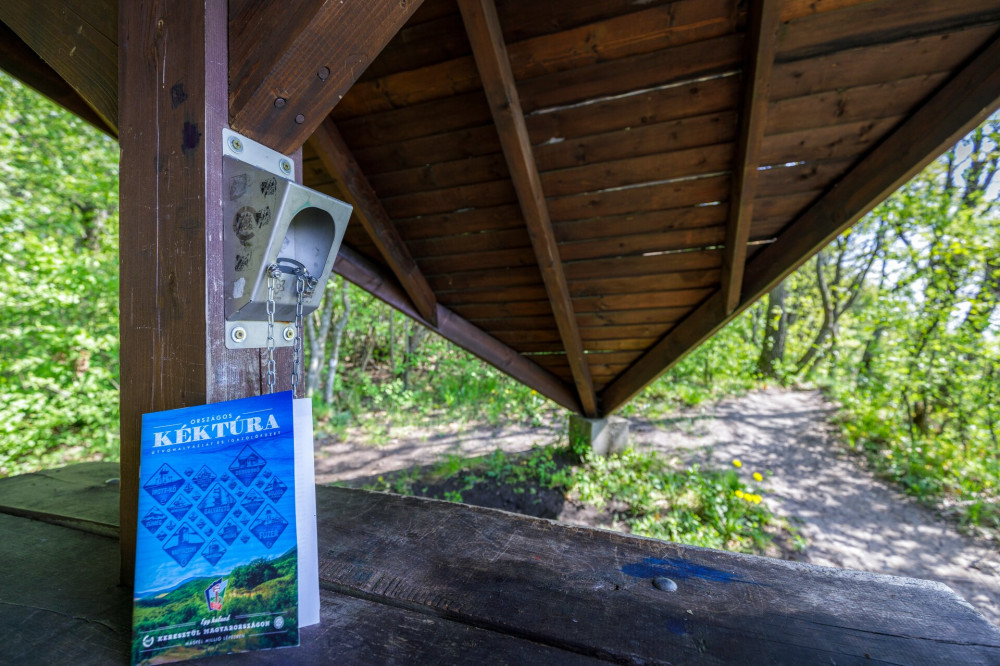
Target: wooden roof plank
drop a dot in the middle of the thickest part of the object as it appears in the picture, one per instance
(966, 100)
(877, 22)
(646, 30)
(337, 159)
(79, 40)
(761, 33)
(483, 28)
(451, 326)
(309, 62)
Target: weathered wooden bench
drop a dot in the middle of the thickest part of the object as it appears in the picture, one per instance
(408, 580)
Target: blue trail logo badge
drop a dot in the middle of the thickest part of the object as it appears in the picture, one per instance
(215, 594)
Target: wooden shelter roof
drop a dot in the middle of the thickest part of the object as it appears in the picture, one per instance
(577, 191)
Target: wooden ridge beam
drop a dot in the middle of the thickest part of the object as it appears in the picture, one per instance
(356, 268)
(490, 52)
(961, 104)
(336, 157)
(79, 40)
(761, 40)
(291, 62)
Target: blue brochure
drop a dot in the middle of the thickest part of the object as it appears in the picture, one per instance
(216, 561)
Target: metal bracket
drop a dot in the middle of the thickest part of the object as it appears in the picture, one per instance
(256, 154)
(269, 217)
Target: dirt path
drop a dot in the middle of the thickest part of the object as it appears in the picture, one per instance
(849, 518)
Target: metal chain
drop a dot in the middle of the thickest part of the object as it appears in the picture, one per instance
(272, 368)
(303, 280)
(300, 287)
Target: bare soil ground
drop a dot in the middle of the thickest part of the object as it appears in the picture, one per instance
(848, 517)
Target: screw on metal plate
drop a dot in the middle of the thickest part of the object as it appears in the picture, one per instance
(288, 333)
(323, 73)
(300, 119)
(285, 164)
(279, 103)
(665, 584)
(239, 334)
(235, 144)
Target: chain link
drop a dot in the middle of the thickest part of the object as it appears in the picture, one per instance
(303, 280)
(272, 367)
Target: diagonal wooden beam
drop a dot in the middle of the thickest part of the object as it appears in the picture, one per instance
(21, 62)
(338, 160)
(79, 40)
(960, 105)
(291, 61)
(761, 40)
(483, 27)
(357, 269)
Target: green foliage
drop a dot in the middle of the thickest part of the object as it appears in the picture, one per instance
(693, 506)
(274, 586)
(253, 574)
(58, 285)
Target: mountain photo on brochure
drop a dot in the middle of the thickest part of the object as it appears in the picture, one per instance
(216, 556)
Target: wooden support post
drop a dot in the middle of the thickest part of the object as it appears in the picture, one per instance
(338, 160)
(761, 33)
(486, 37)
(173, 103)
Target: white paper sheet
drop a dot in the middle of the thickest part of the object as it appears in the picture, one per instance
(305, 513)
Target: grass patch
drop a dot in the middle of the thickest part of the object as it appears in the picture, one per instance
(650, 495)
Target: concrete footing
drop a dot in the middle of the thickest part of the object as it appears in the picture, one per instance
(602, 436)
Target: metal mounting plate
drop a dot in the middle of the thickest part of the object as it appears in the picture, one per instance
(255, 334)
(257, 154)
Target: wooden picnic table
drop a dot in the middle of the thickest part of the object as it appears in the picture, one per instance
(412, 580)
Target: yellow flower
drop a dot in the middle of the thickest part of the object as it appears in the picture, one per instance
(757, 499)
(757, 477)
(740, 494)
(737, 463)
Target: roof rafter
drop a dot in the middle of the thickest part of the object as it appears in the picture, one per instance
(338, 160)
(79, 40)
(762, 38)
(357, 269)
(965, 101)
(490, 52)
(289, 66)
(21, 62)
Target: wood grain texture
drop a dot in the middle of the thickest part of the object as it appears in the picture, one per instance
(412, 580)
(453, 327)
(21, 62)
(590, 591)
(486, 37)
(878, 22)
(338, 37)
(337, 158)
(172, 63)
(82, 496)
(78, 39)
(761, 40)
(60, 604)
(968, 98)
(633, 34)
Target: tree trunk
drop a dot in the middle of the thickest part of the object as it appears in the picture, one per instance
(414, 337)
(316, 341)
(338, 337)
(772, 351)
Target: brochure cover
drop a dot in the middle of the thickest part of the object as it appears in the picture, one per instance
(216, 556)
